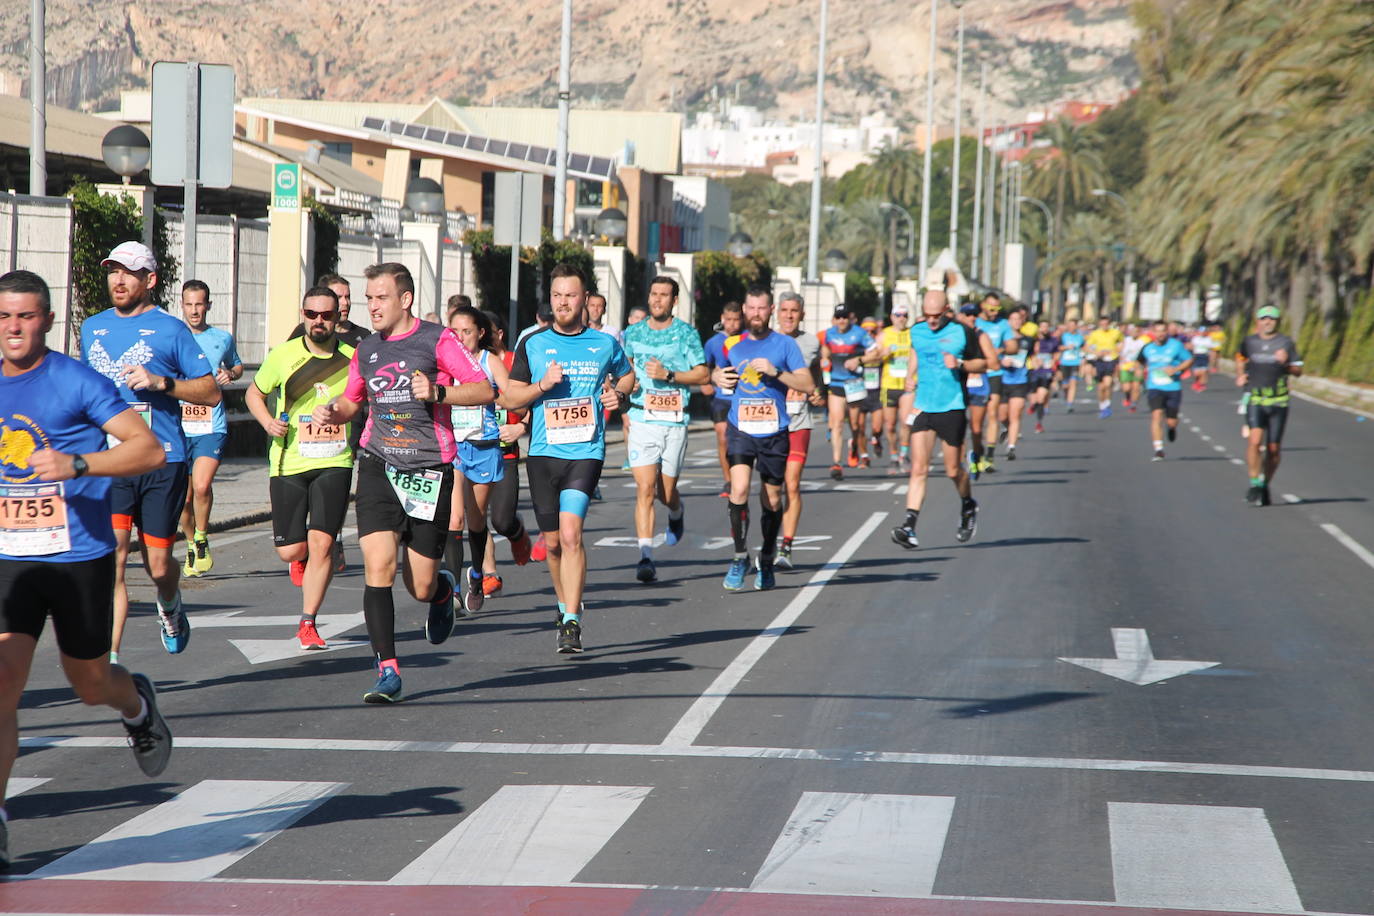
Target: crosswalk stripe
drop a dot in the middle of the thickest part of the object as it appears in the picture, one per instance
(527, 835)
(196, 835)
(873, 845)
(1200, 857)
(18, 785)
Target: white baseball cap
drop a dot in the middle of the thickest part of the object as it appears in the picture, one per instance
(133, 255)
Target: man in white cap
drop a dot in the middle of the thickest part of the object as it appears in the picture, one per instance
(155, 362)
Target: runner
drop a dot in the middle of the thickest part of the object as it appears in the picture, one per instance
(871, 408)
(1104, 346)
(1042, 373)
(731, 318)
(309, 464)
(405, 476)
(205, 427)
(154, 360)
(977, 391)
(1134, 341)
(791, 311)
(1201, 344)
(505, 493)
(1165, 359)
(1015, 359)
(844, 345)
(1264, 362)
(560, 373)
(991, 323)
(894, 348)
(1071, 343)
(667, 356)
(56, 545)
(762, 367)
(946, 352)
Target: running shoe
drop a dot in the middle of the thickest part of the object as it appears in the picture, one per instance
(676, 528)
(475, 594)
(625, 465)
(724, 492)
(569, 638)
(538, 549)
(1264, 494)
(905, 537)
(204, 562)
(975, 467)
(836, 473)
(894, 466)
(340, 562)
(1070, 408)
(784, 560)
(151, 740)
(387, 689)
(645, 571)
(520, 548)
(189, 569)
(309, 637)
(877, 445)
(1172, 433)
(1002, 436)
(1039, 427)
(968, 522)
(1011, 453)
(176, 629)
(492, 585)
(1254, 496)
(439, 624)
(988, 467)
(734, 577)
(763, 577)
(864, 462)
(297, 572)
(1159, 455)
(1104, 413)
(596, 492)
(1131, 408)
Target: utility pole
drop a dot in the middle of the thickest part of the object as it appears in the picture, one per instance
(560, 174)
(38, 100)
(958, 129)
(814, 240)
(923, 257)
(978, 169)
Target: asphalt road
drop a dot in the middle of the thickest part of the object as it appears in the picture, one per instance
(887, 731)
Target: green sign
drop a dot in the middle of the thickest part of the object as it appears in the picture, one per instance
(286, 186)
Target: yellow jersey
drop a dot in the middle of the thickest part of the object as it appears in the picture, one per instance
(898, 363)
(1105, 345)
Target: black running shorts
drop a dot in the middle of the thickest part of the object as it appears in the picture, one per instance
(315, 500)
(765, 454)
(949, 426)
(78, 596)
(379, 508)
(1272, 418)
(1167, 401)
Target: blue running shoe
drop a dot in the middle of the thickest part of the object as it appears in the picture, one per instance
(763, 579)
(386, 690)
(1104, 413)
(734, 579)
(439, 624)
(176, 629)
(675, 529)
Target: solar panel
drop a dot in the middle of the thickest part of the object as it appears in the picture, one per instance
(435, 134)
(372, 123)
(497, 147)
(415, 130)
(578, 162)
(518, 151)
(581, 163)
(601, 166)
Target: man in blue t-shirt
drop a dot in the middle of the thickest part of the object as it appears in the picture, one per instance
(1165, 359)
(998, 331)
(847, 347)
(155, 362)
(731, 319)
(56, 547)
(564, 375)
(946, 352)
(762, 365)
(205, 427)
(1070, 359)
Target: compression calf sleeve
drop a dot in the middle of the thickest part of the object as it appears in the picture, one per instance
(739, 526)
(453, 552)
(379, 610)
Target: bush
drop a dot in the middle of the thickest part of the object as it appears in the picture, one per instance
(1356, 360)
(491, 269)
(860, 294)
(326, 237)
(1319, 348)
(721, 278)
(100, 222)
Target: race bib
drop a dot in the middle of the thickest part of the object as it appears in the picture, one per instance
(418, 491)
(33, 520)
(663, 404)
(569, 420)
(1071, 356)
(758, 416)
(466, 421)
(1161, 378)
(1018, 360)
(872, 376)
(319, 440)
(975, 380)
(854, 390)
(143, 409)
(897, 367)
(197, 419)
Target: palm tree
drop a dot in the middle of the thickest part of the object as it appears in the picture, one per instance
(1067, 170)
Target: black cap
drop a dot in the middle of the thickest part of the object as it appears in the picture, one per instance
(969, 308)
(843, 311)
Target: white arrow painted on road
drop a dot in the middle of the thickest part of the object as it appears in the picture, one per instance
(1135, 661)
(260, 651)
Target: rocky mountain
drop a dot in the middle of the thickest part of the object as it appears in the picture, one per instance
(640, 54)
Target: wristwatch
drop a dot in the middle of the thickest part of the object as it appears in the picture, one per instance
(79, 466)
(671, 377)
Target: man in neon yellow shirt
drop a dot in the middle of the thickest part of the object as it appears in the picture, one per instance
(894, 348)
(1104, 348)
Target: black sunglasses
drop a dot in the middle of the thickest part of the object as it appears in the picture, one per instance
(315, 316)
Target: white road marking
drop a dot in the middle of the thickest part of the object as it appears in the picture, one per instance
(1349, 543)
(1198, 857)
(527, 835)
(217, 542)
(879, 487)
(1135, 661)
(260, 651)
(1204, 438)
(694, 720)
(901, 490)
(1290, 498)
(865, 845)
(1236, 461)
(1352, 410)
(1219, 448)
(18, 785)
(724, 752)
(196, 835)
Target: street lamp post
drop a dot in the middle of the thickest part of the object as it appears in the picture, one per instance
(958, 128)
(560, 175)
(930, 142)
(1049, 220)
(978, 169)
(911, 225)
(814, 241)
(1127, 306)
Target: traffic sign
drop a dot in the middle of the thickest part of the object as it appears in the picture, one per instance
(286, 186)
(186, 93)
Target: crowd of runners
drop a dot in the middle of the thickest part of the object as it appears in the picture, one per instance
(426, 426)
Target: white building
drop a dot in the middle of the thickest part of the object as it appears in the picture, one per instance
(741, 139)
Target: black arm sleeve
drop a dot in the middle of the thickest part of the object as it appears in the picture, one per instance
(972, 349)
(520, 365)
